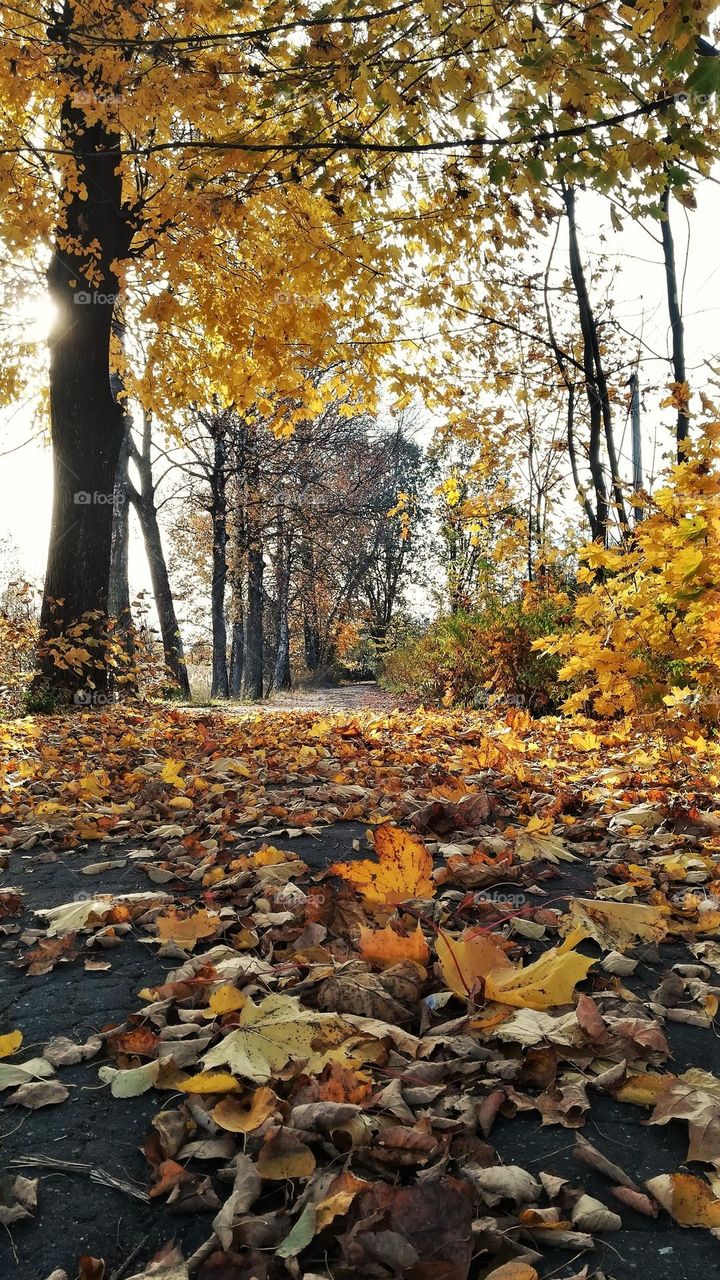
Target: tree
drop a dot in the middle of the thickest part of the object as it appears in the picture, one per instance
(155, 150)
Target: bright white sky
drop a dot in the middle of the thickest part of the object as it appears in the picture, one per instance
(26, 472)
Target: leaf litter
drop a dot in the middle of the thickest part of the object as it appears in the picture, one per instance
(333, 1048)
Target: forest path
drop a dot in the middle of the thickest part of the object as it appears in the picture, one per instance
(346, 698)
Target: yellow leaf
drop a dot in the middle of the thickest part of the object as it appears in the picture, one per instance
(466, 960)
(210, 1082)
(10, 1043)
(170, 773)
(243, 1116)
(225, 1000)
(403, 869)
(272, 1033)
(687, 1199)
(187, 930)
(545, 984)
(616, 925)
(387, 947)
(643, 1089)
(285, 1156)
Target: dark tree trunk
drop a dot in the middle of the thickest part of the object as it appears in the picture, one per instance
(237, 655)
(592, 386)
(281, 673)
(220, 687)
(86, 423)
(144, 503)
(677, 327)
(254, 639)
(119, 588)
(311, 630)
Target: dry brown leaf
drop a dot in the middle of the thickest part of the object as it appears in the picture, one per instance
(284, 1155)
(247, 1114)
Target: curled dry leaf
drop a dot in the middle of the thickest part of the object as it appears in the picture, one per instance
(18, 1199)
(38, 1093)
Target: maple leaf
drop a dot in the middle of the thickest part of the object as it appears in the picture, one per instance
(387, 947)
(616, 926)
(537, 841)
(273, 1033)
(402, 871)
(465, 961)
(544, 984)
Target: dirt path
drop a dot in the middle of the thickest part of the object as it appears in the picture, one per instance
(346, 698)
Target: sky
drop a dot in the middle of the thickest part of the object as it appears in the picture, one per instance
(25, 460)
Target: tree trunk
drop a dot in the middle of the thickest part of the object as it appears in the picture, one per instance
(119, 588)
(237, 654)
(682, 428)
(220, 687)
(254, 639)
(86, 423)
(281, 674)
(592, 388)
(144, 503)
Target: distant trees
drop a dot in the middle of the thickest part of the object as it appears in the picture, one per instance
(300, 541)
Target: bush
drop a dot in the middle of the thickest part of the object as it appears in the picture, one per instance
(477, 658)
(646, 630)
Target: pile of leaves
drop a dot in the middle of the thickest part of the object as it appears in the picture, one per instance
(334, 1047)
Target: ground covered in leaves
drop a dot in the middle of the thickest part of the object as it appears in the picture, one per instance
(365, 994)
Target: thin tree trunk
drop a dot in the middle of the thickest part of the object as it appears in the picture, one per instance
(281, 674)
(254, 638)
(237, 653)
(85, 421)
(677, 327)
(119, 587)
(220, 687)
(587, 326)
(144, 503)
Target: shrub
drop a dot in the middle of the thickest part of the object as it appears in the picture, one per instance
(476, 658)
(647, 628)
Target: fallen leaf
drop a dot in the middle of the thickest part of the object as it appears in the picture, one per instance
(247, 1114)
(386, 946)
(403, 869)
(616, 926)
(284, 1155)
(687, 1199)
(272, 1033)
